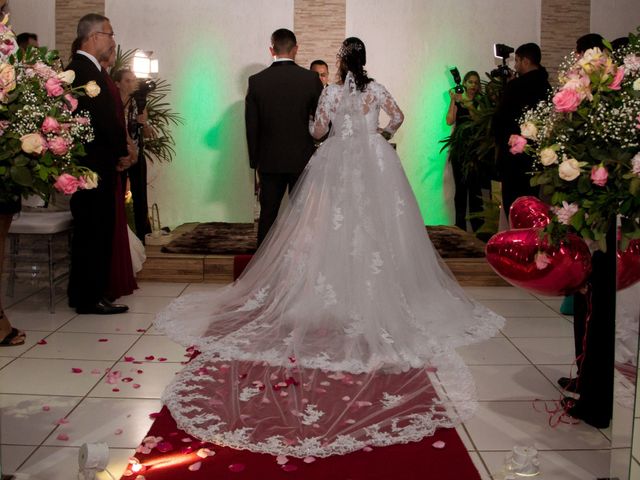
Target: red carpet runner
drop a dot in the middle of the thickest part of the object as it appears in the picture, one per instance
(412, 461)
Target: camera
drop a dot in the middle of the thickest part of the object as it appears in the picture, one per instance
(140, 95)
(502, 51)
(456, 78)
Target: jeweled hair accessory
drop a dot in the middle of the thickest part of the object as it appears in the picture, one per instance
(346, 50)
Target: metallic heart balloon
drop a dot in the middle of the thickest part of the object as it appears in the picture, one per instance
(529, 212)
(628, 265)
(526, 261)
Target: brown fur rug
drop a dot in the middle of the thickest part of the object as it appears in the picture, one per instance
(219, 238)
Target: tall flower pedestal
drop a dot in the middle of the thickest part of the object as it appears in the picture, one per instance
(594, 326)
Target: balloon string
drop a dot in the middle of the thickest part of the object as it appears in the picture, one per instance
(557, 410)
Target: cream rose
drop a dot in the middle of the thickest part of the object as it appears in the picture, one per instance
(569, 169)
(636, 84)
(548, 156)
(90, 180)
(92, 89)
(529, 130)
(33, 143)
(7, 79)
(68, 76)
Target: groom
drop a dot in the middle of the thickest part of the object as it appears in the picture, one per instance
(280, 100)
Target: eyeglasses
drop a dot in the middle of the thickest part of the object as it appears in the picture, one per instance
(111, 34)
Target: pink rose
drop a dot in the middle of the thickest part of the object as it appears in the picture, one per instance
(517, 144)
(566, 100)
(617, 80)
(599, 175)
(566, 212)
(54, 87)
(542, 260)
(8, 46)
(67, 184)
(58, 145)
(635, 164)
(71, 102)
(43, 70)
(82, 120)
(4, 124)
(50, 125)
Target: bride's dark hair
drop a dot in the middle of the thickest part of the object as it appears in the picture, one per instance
(353, 57)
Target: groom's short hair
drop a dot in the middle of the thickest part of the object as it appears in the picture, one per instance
(283, 41)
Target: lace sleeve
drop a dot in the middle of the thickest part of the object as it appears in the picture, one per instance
(327, 105)
(390, 107)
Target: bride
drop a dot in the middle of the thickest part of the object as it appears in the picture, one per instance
(341, 333)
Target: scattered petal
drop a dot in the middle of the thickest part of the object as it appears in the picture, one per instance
(284, 394)
(42, 342)
(187, 440)
(149, 357)
(62, 421)
(281, 459)
(162, 359)
(76, 370)
(141, 330)
(127, 379)
(346, 398)
(139, 371)
(115, 389)
(144, 450)
(289, 468)
(438, 444)
(46, 408)
(361, 403)
(205, 452)
(325, 384)
(309, 459)
(136, 385)
(62, 437)
(194, 467)
(103, 340)
(129, 359)
(367, 449)
(118, 431)
(96, 371)
(140, 477)
(351, 421)
(236, 467)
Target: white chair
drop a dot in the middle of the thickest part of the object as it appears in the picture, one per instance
(36, 226)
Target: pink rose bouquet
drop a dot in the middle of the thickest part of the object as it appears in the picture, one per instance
(41, 134)
(592, 123)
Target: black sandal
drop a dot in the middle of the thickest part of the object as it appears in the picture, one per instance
(14, 333)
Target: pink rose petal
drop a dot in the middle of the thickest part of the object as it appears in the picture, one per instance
(281, 459)
(46, 408)
(346, 398)
(187, 440)
(139, 371)
(76, 370)
(289, 468)
(194, 467)
(149, 357)
(309, 459)
(205, 452)
(115, 389)
(129, 359)
(438, 444)
(62, 421)
(236, 467)
(141, 330)
(136, 385)
(62, 437)
(127, 379)
(162, 359)
(103, 340)
(367, 449)
(118, 431)
(42, 342)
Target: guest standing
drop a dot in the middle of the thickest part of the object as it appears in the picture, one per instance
(280, 101)
(94, 210)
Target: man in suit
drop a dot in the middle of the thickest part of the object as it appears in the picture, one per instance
(280, 100)
(94, 210)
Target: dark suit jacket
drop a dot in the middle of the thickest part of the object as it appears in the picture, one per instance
(279, 101)
(110, 141)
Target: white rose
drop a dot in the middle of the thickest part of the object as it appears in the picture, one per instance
(529, 130)
(569, 169)
(33, 143)
(92, 89)
(636, 84)
(68, 76)
(548, 156)
(91, 180)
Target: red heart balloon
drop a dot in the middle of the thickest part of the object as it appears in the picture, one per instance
(512, 254)
(628, 265)
(529, 212)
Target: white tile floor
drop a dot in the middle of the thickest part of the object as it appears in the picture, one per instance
(515, 373)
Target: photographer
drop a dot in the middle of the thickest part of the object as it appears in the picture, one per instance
(462, 107)
(132, 93)
(529, 87)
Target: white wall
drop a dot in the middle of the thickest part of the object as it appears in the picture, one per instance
(35, 16)
(615, 18)
(410, 44)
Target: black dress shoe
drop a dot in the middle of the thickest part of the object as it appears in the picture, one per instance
(109, 303)
(101, 308)
(568, 384)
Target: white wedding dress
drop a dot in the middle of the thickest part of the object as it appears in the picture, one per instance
(341, 332)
